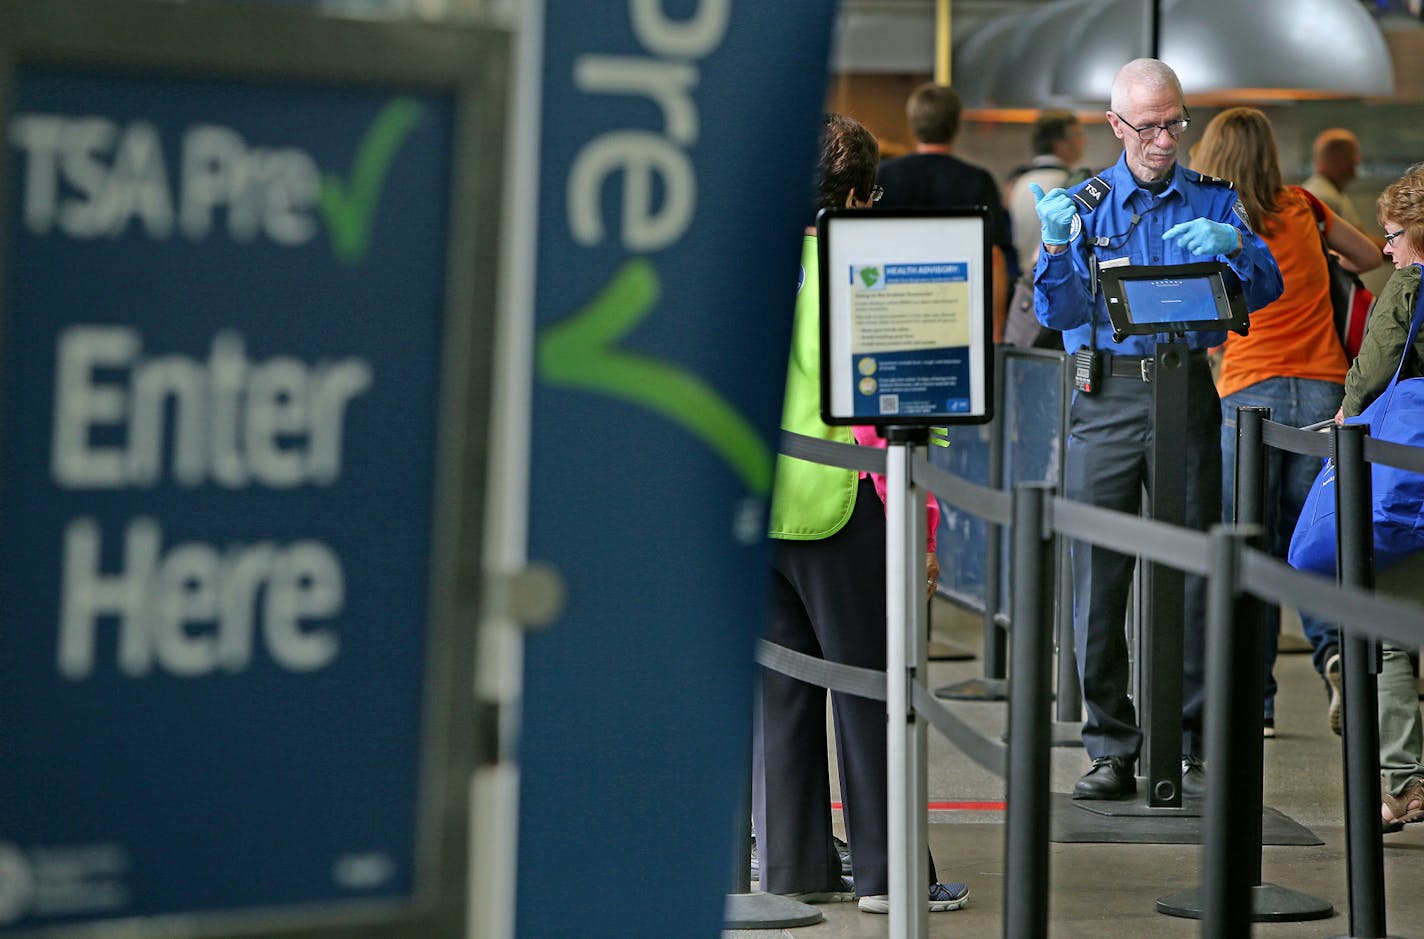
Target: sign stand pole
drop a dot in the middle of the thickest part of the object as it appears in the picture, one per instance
(905, 659)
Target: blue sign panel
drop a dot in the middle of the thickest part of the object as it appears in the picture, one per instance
(678, 152)
(1032, 451)
(217, 463)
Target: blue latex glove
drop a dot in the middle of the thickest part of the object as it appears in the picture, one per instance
(1203, 236)
(1055, 213)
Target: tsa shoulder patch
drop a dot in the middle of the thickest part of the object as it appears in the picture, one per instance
(1091, 194)
(1240, 209)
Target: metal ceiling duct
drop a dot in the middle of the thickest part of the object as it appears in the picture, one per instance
(1011, 80)
(976, 59)
(1222, 49)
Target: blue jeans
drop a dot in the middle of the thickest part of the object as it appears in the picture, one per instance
(1296, 402)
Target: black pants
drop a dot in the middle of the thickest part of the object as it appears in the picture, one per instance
(828, 600)
(1108, 463)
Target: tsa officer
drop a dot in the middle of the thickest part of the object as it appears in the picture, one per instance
(1145, 209)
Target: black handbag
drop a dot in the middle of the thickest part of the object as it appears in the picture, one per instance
(1021, 326)
(1349, 297)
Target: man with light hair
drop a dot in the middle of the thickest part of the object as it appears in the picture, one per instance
(1144, 209)
(1058, 144)
(1337, 160)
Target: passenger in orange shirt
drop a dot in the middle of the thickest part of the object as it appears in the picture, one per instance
(1292, 360)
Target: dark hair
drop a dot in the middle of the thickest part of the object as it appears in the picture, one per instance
(1052, 126)
(933, 111)
(1403, 202)
(849, 155)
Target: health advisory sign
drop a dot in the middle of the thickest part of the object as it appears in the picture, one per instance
(226, 309)
(905, 335)
(910, 338)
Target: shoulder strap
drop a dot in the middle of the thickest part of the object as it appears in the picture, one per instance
(1317, 208)
(1414, 325)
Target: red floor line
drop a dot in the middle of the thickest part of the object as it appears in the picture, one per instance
(956, 806)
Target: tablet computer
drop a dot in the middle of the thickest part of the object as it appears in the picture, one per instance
(1146, 299)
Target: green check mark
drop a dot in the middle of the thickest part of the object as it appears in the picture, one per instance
(581, 352)
(350, 208)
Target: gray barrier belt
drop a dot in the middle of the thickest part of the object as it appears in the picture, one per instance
(1373, 614)
(1315, 443)
(870, 683)
(988, 754)
(828, 452)
(992, 505)
(1182, 548)
(1399, 455)
(1295, 439)
(849, 679)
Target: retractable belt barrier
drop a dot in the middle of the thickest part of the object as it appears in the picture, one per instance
(1222, 556)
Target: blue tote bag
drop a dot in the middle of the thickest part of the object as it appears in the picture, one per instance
(1397, 415)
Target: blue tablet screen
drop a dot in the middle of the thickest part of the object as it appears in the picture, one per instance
(1170, 300)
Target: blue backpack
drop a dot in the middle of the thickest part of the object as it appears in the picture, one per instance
(1397, 415)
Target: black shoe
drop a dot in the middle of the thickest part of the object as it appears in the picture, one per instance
(1193, 776)
(1110, 778)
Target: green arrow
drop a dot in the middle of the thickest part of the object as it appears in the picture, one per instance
(581, 352)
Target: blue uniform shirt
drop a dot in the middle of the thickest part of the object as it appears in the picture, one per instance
(1064, 297)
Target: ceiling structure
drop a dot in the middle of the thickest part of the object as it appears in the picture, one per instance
(1028, 53)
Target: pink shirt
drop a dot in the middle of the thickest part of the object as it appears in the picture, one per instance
(867, 437)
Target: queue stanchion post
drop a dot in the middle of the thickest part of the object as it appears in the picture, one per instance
(1026, 828)
(1068, 692)
(906, 737)
(1354, 552)
(1233, 676)
(1232, 895)
(996, 636)
(1166, 586)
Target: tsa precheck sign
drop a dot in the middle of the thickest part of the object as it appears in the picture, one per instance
(218, 454)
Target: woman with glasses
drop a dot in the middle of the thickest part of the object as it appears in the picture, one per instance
(1401, 213)
(828, 600)
(1401, 732)
(1291, 361)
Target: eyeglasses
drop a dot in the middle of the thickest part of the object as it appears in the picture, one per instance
(1389, 236)
(1149, 133)
(876, 192)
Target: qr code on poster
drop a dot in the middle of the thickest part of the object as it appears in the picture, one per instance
(889, 404)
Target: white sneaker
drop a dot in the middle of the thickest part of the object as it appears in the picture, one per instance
(1332, 678)
(942, 899)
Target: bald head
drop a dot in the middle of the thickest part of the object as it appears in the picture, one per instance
(1143, 76)
(1147, 99)
(1337, 155)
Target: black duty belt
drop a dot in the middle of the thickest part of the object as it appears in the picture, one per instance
(1140, 366)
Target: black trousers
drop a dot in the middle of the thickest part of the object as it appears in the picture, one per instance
(828, 600)
(1108, 464)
